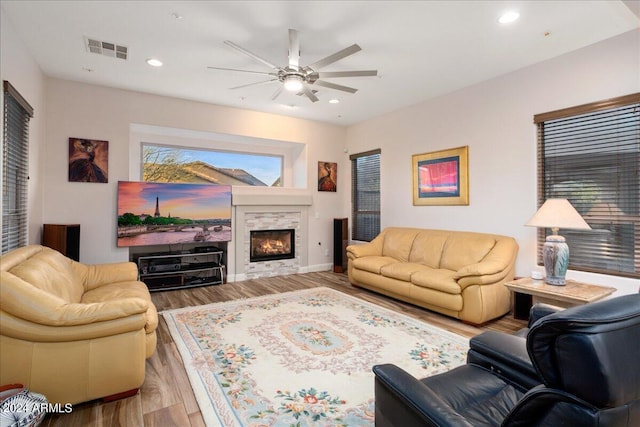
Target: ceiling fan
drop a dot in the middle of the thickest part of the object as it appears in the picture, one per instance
(301, 79)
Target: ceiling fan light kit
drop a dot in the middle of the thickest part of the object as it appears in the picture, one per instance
(293, 83)
(295, 78)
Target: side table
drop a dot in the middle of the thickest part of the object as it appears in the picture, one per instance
(527, 292)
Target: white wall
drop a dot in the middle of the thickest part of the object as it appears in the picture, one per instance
(18, 68)
(495, 119)
(88, 111)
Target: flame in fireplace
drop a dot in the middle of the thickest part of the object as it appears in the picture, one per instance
(270, 247)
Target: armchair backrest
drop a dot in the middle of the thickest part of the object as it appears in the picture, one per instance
(592, 352)
(38, 270)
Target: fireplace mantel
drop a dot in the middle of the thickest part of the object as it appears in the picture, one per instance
(275, 198)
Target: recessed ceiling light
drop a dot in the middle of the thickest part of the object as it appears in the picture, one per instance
(154, 62)
(334, 101)
(509, 17)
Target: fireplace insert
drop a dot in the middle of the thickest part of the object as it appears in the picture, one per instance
(269, 245)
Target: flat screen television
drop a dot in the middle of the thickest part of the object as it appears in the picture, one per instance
(159, 213)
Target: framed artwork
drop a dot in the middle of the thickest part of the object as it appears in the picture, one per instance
(327, 176)
(88, 160)
(441, 177)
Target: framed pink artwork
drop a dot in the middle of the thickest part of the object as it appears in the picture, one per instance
(441, 177)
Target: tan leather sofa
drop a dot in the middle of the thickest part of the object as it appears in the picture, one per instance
(460, 274)
(71, 331)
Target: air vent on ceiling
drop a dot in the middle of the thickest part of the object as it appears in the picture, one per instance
(106, 48)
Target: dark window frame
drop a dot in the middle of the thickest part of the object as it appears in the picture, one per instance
(15, 168)
(590, 155)
(365, 195)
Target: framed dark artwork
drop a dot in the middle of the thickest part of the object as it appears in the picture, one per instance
(88, 160)
(441, 177)
(327, 176)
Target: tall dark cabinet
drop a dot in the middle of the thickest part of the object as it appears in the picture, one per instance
(65, 238)
(340, 241)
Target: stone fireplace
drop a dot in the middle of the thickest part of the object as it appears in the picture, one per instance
(271, 245)
(261, 216)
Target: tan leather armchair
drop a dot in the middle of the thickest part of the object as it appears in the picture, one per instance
(71, 331)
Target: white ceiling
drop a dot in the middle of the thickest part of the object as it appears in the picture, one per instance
(421, 49)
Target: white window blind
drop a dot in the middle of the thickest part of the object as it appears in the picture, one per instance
(590, 155)
(15, 168)
(365, 195)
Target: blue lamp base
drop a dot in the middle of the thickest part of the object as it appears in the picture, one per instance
(555, 254)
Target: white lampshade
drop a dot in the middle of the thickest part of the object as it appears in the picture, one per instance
(293, 83)
(558, 213)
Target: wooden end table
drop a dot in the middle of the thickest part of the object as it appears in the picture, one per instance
(527, 292)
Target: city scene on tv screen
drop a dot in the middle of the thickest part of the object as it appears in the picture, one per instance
(169, 213)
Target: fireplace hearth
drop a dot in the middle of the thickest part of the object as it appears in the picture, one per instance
(270, 245)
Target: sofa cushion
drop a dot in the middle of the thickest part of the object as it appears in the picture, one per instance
(437, 279)
(402, 270)
(117, 290)
(372, 264)
(50, 271)
(398, 242)
(123, 290)
(427, 248)
(462, 249)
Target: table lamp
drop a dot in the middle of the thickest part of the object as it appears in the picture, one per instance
(556, 214)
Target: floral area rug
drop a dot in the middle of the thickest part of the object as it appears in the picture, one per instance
(301, 358)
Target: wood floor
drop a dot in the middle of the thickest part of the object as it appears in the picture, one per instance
(166, 398)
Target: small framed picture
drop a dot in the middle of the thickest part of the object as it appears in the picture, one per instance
(327, 176)
(441, 177)
(88, 160)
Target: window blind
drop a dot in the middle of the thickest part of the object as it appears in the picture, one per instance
(590, 155)
(365, 195)
(15, 168)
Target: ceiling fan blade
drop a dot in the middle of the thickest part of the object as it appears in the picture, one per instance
(251, 55)
(294, 50)
(335, 57)
(254, 84)
(243, 71)
(335, 86)
(277, 92)
(334, 74)
(309, 94)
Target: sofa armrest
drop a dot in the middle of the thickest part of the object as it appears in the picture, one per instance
(485, 268)
(544, 406)
(504, 354)
(498, 262)
(540, 310)
(85, 313)
(96, 275)
(371, 248)
(19, 328)
(404, 401)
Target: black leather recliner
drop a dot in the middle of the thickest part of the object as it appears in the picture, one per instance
(506, 354)
(588, 358)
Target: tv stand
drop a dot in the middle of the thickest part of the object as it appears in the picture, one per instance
(179, 270)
